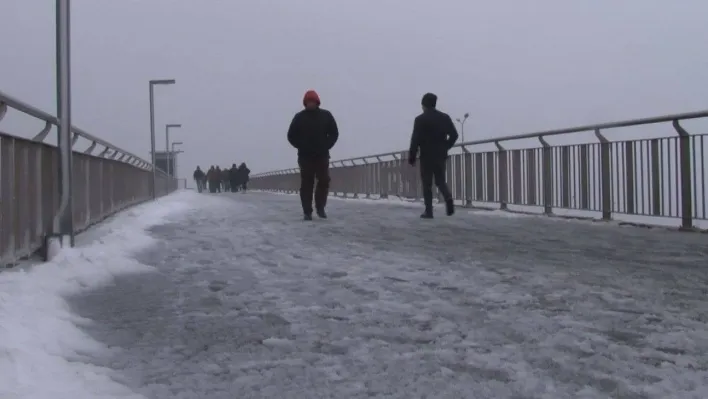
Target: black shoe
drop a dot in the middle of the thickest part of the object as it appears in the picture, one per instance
(308, 216)
(322, 214)
(427, 215)
(450, 207)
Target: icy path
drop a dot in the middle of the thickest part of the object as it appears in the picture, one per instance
(247, 301)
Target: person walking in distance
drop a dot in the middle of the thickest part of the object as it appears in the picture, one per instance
(199, 177)
(434, 133)
(313, 132)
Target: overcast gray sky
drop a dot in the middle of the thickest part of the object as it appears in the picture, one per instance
(242, 67)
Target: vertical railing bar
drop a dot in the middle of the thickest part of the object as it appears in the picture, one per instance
(641, 177)
(622, 177)
(669, 176)
(677, 179)
(661, 178)
(703, 178)
(613, 180)
(694, 177)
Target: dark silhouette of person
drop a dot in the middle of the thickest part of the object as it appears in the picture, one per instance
(434, 133)
(218, 178)
(313, 132)
(234, 178)
(225, 181)
(243, 174)
(212, 179)
(199, 177)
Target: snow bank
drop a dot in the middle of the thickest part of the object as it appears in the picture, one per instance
(43, 351)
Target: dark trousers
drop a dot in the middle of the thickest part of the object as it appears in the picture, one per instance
(311, 169)
(430, 170)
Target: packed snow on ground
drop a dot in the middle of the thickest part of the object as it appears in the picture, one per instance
(244, 300)
(43, 351)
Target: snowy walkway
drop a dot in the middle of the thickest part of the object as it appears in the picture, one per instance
(247, 301)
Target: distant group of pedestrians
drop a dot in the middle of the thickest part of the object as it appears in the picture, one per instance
(313, 132)
(218, 180)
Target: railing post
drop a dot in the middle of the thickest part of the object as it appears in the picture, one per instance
(367, 178)
(102, 199)
(355, 179)
(547, 160)
(40, 187)
(605, 176)
(383, 178)
(396, 175)
(87, 183)
(467, 176)
(503, 177)
(8, 165)
(685, 167)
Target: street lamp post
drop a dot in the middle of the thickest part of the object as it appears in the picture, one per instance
(152, 128)
(462, 125)
(167, 145)
(63, 225)
(468, 200)
(176, 143)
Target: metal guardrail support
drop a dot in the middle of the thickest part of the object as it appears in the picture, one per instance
(546, 176)
(90, 149)
(29, 189)
(44, 132)
(685, 165)
(606, 193)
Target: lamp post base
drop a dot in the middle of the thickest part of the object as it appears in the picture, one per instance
(53, 243)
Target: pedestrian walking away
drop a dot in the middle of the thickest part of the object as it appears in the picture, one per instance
(199, 177)
(244, 174)
(313, 132)
(234, 182)
(434, 133)
(211, 179)
(218, 179)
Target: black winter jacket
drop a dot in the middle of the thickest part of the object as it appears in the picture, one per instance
(313, 132)
(434, 133)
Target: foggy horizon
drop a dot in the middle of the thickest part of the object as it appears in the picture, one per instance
(242, 69)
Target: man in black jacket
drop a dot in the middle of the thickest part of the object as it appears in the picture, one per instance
(199, 178)
(234, 181)
(434, 133)
(313, 131)
(243, 173)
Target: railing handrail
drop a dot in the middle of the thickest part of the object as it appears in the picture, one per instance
(25, 108)
(542, 133)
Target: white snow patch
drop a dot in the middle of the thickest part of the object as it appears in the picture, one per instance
(42, 349)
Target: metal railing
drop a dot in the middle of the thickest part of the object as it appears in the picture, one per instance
(103, 183)
(656, 177)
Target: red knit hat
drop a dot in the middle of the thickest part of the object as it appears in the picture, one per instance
(311, 96)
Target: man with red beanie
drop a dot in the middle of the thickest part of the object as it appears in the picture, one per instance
(313, 131)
